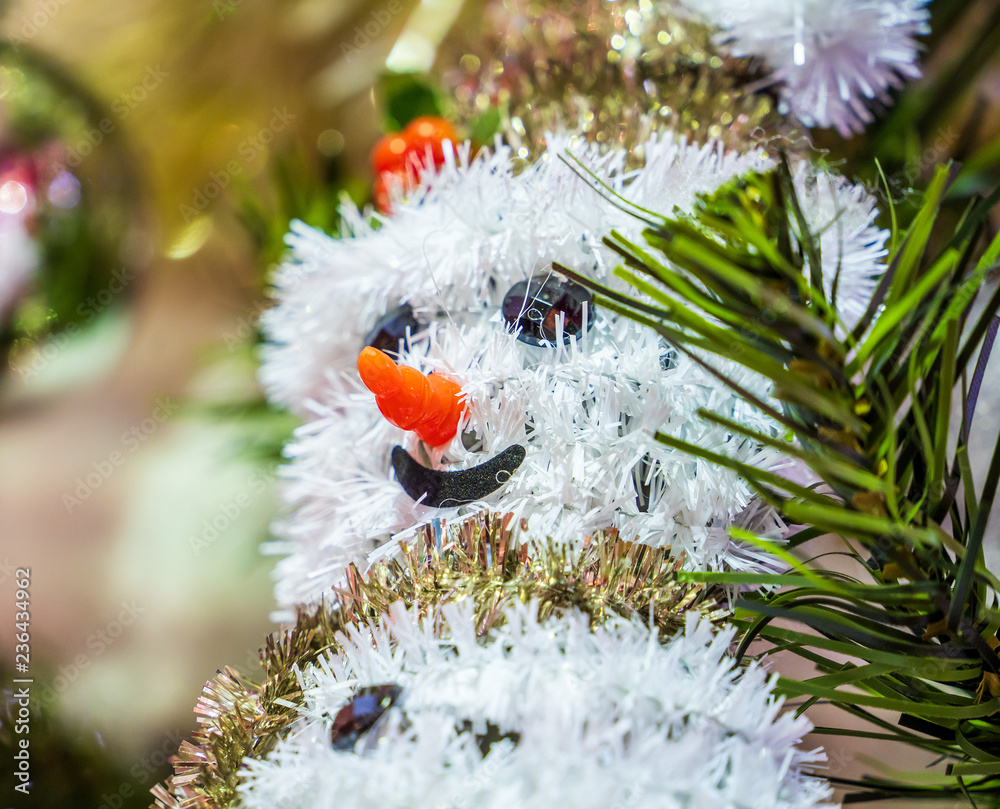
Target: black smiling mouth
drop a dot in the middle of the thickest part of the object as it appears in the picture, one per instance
(440, 489)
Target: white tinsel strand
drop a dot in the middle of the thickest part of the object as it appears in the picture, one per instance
(603, 718)
(586, 412)
(831, 57)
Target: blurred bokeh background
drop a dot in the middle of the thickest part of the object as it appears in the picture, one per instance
(146, 578)
(136, 458)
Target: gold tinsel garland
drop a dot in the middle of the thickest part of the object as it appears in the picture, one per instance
(475, 558)
(617, 72)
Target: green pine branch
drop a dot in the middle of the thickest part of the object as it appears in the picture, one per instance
(871, 414)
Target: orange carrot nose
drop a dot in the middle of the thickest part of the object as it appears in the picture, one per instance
(379, 373)
(428, 405)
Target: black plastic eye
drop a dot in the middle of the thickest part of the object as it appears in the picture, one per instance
(391, 328)
(361, 712)
(534, 306)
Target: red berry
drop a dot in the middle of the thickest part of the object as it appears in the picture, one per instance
(389, 154)
(429, 130)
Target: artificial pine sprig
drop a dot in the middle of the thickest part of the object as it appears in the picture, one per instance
(871, 414)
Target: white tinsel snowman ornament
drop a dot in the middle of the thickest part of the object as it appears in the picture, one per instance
(428, 714)
(559, 400)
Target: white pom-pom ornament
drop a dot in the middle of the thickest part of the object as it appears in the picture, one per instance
(831, 58)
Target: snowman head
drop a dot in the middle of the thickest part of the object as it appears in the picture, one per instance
(558, 400)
